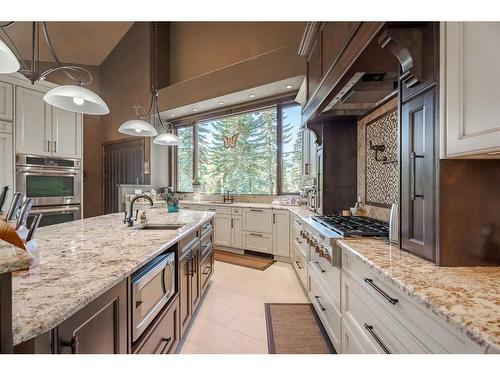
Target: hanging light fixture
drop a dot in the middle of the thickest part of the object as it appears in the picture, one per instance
(73, 98)
(162, 130)
(8, 61)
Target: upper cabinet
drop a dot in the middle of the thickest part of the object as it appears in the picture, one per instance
(329, 49)
(33, 122)
(45, 130)
(6, 96)
(470, 56)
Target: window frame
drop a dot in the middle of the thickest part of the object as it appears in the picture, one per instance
(279, 106)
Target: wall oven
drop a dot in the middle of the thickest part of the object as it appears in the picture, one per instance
(49, 181)
(152, 287)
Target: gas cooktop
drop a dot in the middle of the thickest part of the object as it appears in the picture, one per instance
(354, 226)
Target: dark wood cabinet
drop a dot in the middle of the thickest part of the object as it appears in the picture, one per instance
(98, 328)
(419, 166)
(189, 284)
(164, 333)
(206, 270)
(195, 278)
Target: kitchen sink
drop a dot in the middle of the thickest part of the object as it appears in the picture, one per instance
(151, 226)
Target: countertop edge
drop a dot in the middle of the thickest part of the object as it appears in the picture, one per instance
(476, 336)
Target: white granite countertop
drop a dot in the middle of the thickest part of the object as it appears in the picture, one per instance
(466, 297)
(12, 258)
(81, 260)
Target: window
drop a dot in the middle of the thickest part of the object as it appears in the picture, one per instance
(240, 152)
(185, 157)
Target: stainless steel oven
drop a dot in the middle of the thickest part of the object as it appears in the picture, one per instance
(49, 181)
(152, 287)
(55, 214)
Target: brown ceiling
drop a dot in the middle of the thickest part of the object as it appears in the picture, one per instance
(87, 43)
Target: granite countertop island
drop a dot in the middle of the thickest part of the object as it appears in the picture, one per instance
(466, 297)
(83, 259)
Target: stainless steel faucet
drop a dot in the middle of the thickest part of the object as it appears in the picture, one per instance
(229, 198)
(129, 219)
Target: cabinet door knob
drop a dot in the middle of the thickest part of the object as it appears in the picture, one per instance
(73, 344)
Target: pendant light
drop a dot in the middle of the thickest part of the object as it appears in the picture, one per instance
(8, 61)
(163, 131)
(73, 98)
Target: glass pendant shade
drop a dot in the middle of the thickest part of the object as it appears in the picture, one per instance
(167, 139)
(138, 128)
(76, 99)
(8, 62)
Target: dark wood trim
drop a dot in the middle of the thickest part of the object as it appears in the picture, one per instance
(355, 45)
(308, 37)
(279, 149)
(6, 340)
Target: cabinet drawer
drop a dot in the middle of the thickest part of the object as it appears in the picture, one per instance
(328, 276)
(353, 342)
(206, 269)
(5, 127)
(328, 313)
(432, 332)
(300, 265)
(237, 211)
(216, 209)
(261, 242)
(163, 335)
(384, 333)
(257, 220)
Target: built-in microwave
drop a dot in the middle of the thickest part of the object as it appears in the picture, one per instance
(152, 287)
(49, 181)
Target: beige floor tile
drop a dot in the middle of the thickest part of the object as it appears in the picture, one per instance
(250, 324)
(248, 345)
(190, 348)
(214, 337)
(217, 312)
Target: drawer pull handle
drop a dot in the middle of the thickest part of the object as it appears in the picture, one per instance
(256, 235)
(207, 271)
(298, 265)
(377, 339)
(254, 210)
(210, 209)
(381, 292)
(322, 308)
(319, 267)
(73, 344)
(166, 340)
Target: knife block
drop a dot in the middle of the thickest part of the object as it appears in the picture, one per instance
(18, 239)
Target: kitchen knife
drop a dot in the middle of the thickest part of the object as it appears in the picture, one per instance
(3, 197)
(17, 201)
(34, 226)
(24, 212)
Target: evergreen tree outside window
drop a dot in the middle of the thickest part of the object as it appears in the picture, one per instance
(251, 166)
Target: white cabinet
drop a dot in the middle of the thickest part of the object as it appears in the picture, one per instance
(33, 123)
(257, 220)
(6, 96)
(45, 130)
(260, 242)
(222, 230)
(470, 114)
(66, 134)
(236, 232)
(6, 164)
(281, 233)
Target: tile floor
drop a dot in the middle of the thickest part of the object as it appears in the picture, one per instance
(231, 318)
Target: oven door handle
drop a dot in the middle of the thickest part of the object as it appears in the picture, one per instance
(48, 171)
(169, 292)
(153, 272)
(55, 210)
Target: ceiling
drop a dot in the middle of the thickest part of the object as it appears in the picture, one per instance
(290, 85)
(87, 43)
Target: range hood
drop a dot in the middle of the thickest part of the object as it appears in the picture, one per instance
(371, 79)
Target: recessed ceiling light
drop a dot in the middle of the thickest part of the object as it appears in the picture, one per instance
(252, 95)
(289, 86)
(172, 115)
(221, 103)
(195, 109)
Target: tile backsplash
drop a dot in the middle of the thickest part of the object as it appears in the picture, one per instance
(378, 183)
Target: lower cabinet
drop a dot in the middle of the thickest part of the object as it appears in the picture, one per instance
(236, 233)
(281, 233)
(98, 328)
(260, 242)
(222, 231)
(189, 285)
(164, 333)
(206, 270)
